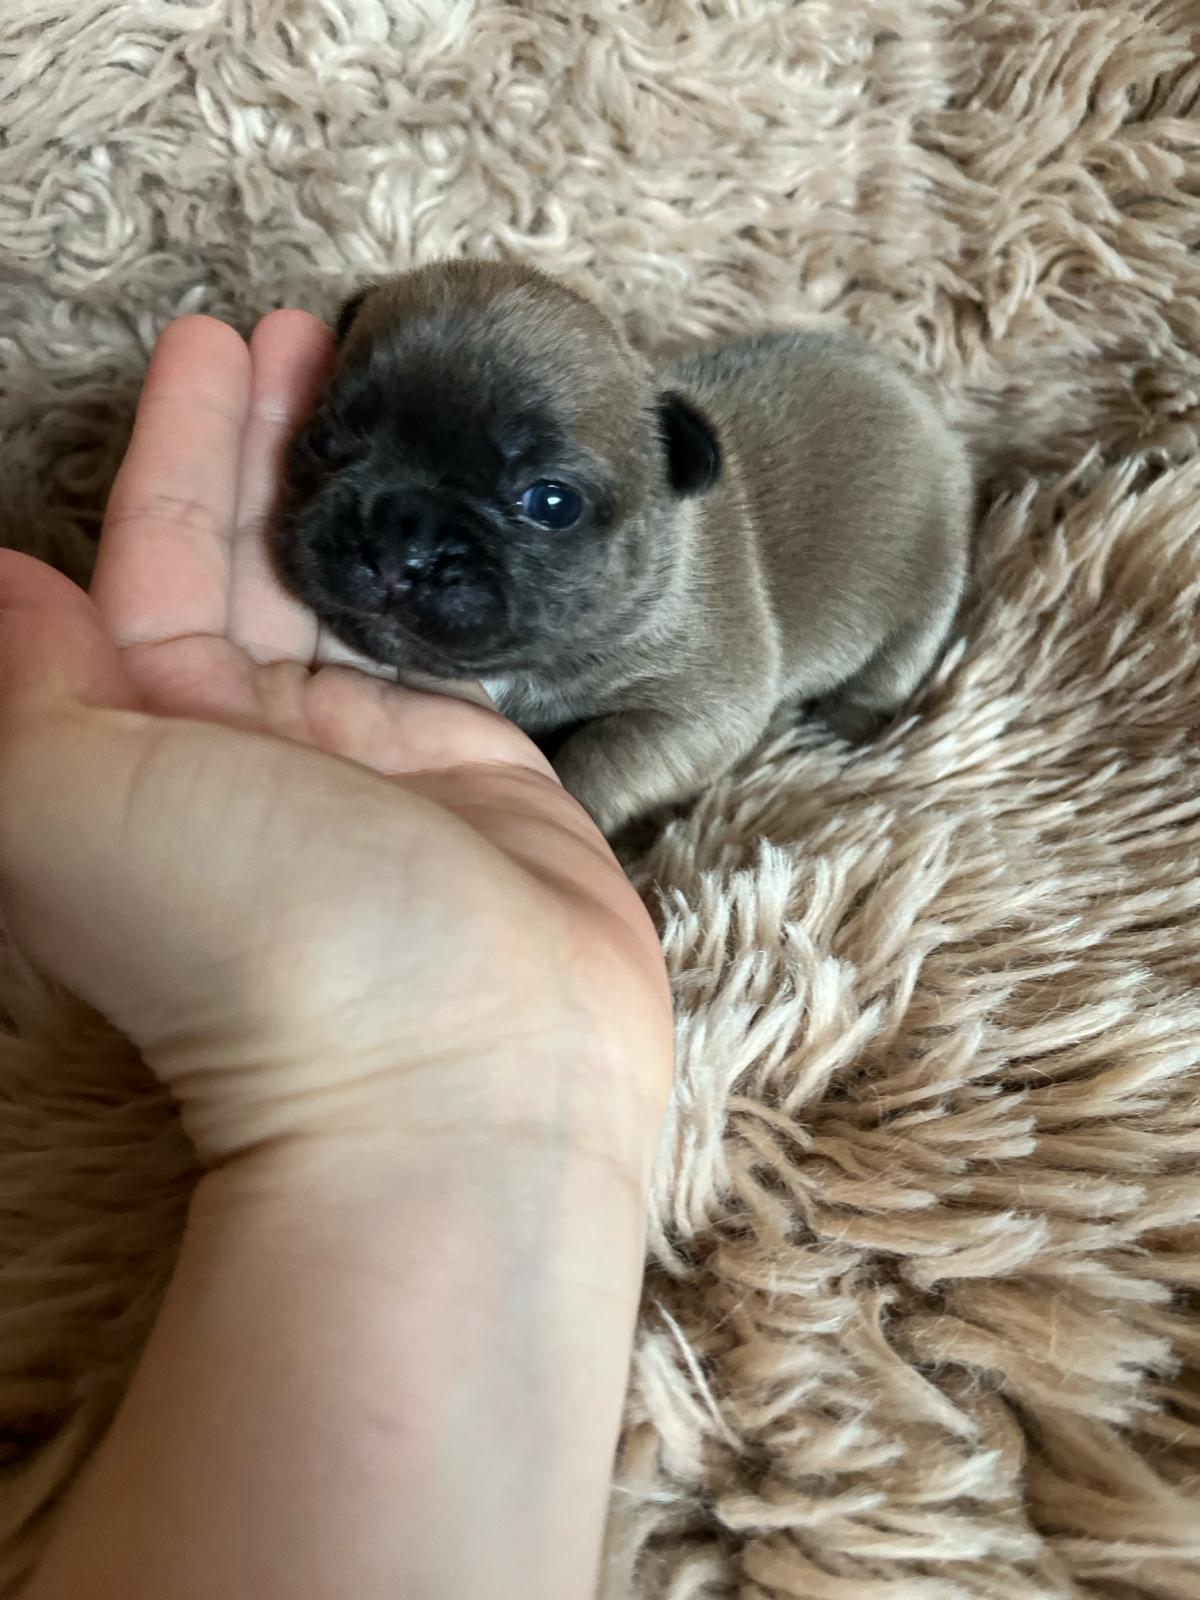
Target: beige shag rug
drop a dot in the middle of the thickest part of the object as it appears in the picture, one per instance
(921, 1319)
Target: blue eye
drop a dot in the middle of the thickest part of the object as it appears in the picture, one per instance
(552, 505)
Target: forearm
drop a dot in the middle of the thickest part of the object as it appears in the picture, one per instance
(404, 1384)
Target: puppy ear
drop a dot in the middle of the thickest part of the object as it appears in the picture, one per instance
(690, 441)
(348, 312)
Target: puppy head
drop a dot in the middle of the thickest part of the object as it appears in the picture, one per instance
(478, 488)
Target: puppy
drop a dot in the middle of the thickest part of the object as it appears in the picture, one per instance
(640, 563)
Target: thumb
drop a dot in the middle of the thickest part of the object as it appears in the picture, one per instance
(53, 646)
(56, 661)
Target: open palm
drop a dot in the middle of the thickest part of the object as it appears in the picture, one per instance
(253, 851)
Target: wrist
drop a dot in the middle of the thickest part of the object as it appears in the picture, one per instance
(478, 1302)
(365, 1348)
(364, 1111)
(347, 1192)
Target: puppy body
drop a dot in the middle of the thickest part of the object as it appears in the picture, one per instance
(781, 518)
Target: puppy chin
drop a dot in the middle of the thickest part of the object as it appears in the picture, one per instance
(388, 641)
(393, 639)
(401, 641)
(394, 635)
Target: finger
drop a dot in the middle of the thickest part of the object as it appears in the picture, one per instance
(468, 689)
(163, 569)
(291, 353)
(397, 731)
(331, 652)
(53, 644)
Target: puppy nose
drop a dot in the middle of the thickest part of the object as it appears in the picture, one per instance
(408, 528)
(408, 544)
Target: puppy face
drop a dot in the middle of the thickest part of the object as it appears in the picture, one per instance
(477, 489)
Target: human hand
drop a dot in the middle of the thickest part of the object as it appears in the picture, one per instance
(413, 1013)
(323, 907)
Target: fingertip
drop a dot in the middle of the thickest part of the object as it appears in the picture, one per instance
(199, 358)
(197, 332)
(290, 326)
(52, 643)
(24, 578)
(291, 352)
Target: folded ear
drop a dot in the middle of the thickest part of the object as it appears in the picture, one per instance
(690, 441)
(348, 312)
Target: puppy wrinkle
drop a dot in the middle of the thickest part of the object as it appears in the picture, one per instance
(825, 563)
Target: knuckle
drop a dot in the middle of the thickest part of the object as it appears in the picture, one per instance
(184, 513)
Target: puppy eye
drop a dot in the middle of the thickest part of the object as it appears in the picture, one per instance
(325, 444)
(552, 505)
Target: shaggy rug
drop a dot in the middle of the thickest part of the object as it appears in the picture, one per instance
(920, 1319)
